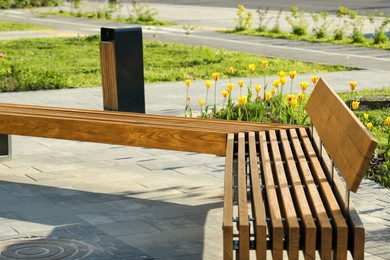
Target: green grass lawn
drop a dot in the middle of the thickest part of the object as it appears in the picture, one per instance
(12, 26)
(54, 63)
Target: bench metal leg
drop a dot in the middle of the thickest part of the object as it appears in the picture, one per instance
(5, 148)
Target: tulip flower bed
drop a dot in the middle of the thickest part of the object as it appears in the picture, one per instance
(275, 103)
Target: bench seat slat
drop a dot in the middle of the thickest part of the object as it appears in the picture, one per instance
(292, 225)
(356, 231)
(121, 134)
(223, 126)
(228, 200)
(309, 231)
(260, 227)
(271, 200)
(341, 229)
(243, 221)
(314, 198)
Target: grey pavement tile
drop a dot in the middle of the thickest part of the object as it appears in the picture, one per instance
(126, 228)
(6, 230)
(96, 219)
(7, 216)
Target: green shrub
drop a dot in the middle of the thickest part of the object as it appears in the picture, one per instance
(244, 18)
(6, 4)
(321, 24)
(297, 21)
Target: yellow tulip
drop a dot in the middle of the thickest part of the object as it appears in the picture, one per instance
(304, 85)
(201, 102)
(241, 83)
(208, 83)
(276, 83)
(251, 67)
(257, 88)
(352, 85)
(230, 70)
(273, 91)
(355, 105)
(290, 97)
(225, 93)
(242, 100)
(314, 79)
(215, 76)
(365, 116)
(230, 86)
(283, 80)
(268, 96)
(282, 74)
(300, 96)
(293, 103)
(188, 82)
(369, 125)
(293, 74)
(264, 63)
(387, 121)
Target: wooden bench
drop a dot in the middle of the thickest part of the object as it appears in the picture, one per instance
(289, 202)
(282, 191)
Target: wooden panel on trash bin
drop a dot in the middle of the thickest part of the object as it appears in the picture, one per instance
(108, 70)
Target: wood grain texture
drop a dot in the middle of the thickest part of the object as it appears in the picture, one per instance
(260, 225)
(347, 140)
(272, 203)
(340, 227)
(108, 69)
(221, 126)
(356, 230)
(324, 227)
(243, 222)
(309, 230)
(292, 226)
(228, 201)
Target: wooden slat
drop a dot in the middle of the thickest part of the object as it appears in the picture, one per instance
(228, 201)
(223, 126)
(324, 228)
(356, 234)
(108, 69)
(276, 225)
(242, 200)
(160, 137)
(340, 227)
(260, 227)
(349, 143)
(308, 232)
(292, 225)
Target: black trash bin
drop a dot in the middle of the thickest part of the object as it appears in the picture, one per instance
(121, 54)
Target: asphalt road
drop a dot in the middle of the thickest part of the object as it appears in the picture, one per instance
(330, 6)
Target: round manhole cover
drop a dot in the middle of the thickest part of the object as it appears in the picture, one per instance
(44, 248)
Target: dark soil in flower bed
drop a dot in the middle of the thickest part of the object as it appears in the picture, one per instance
(372, 102)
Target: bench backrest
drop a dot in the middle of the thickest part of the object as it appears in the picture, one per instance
(346, 139)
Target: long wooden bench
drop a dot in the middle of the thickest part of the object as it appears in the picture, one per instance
(283, 192)
(279, 193)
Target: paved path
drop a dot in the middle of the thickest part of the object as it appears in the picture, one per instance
(307, 5)
(97, 201)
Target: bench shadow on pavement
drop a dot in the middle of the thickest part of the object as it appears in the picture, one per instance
(51, 221)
